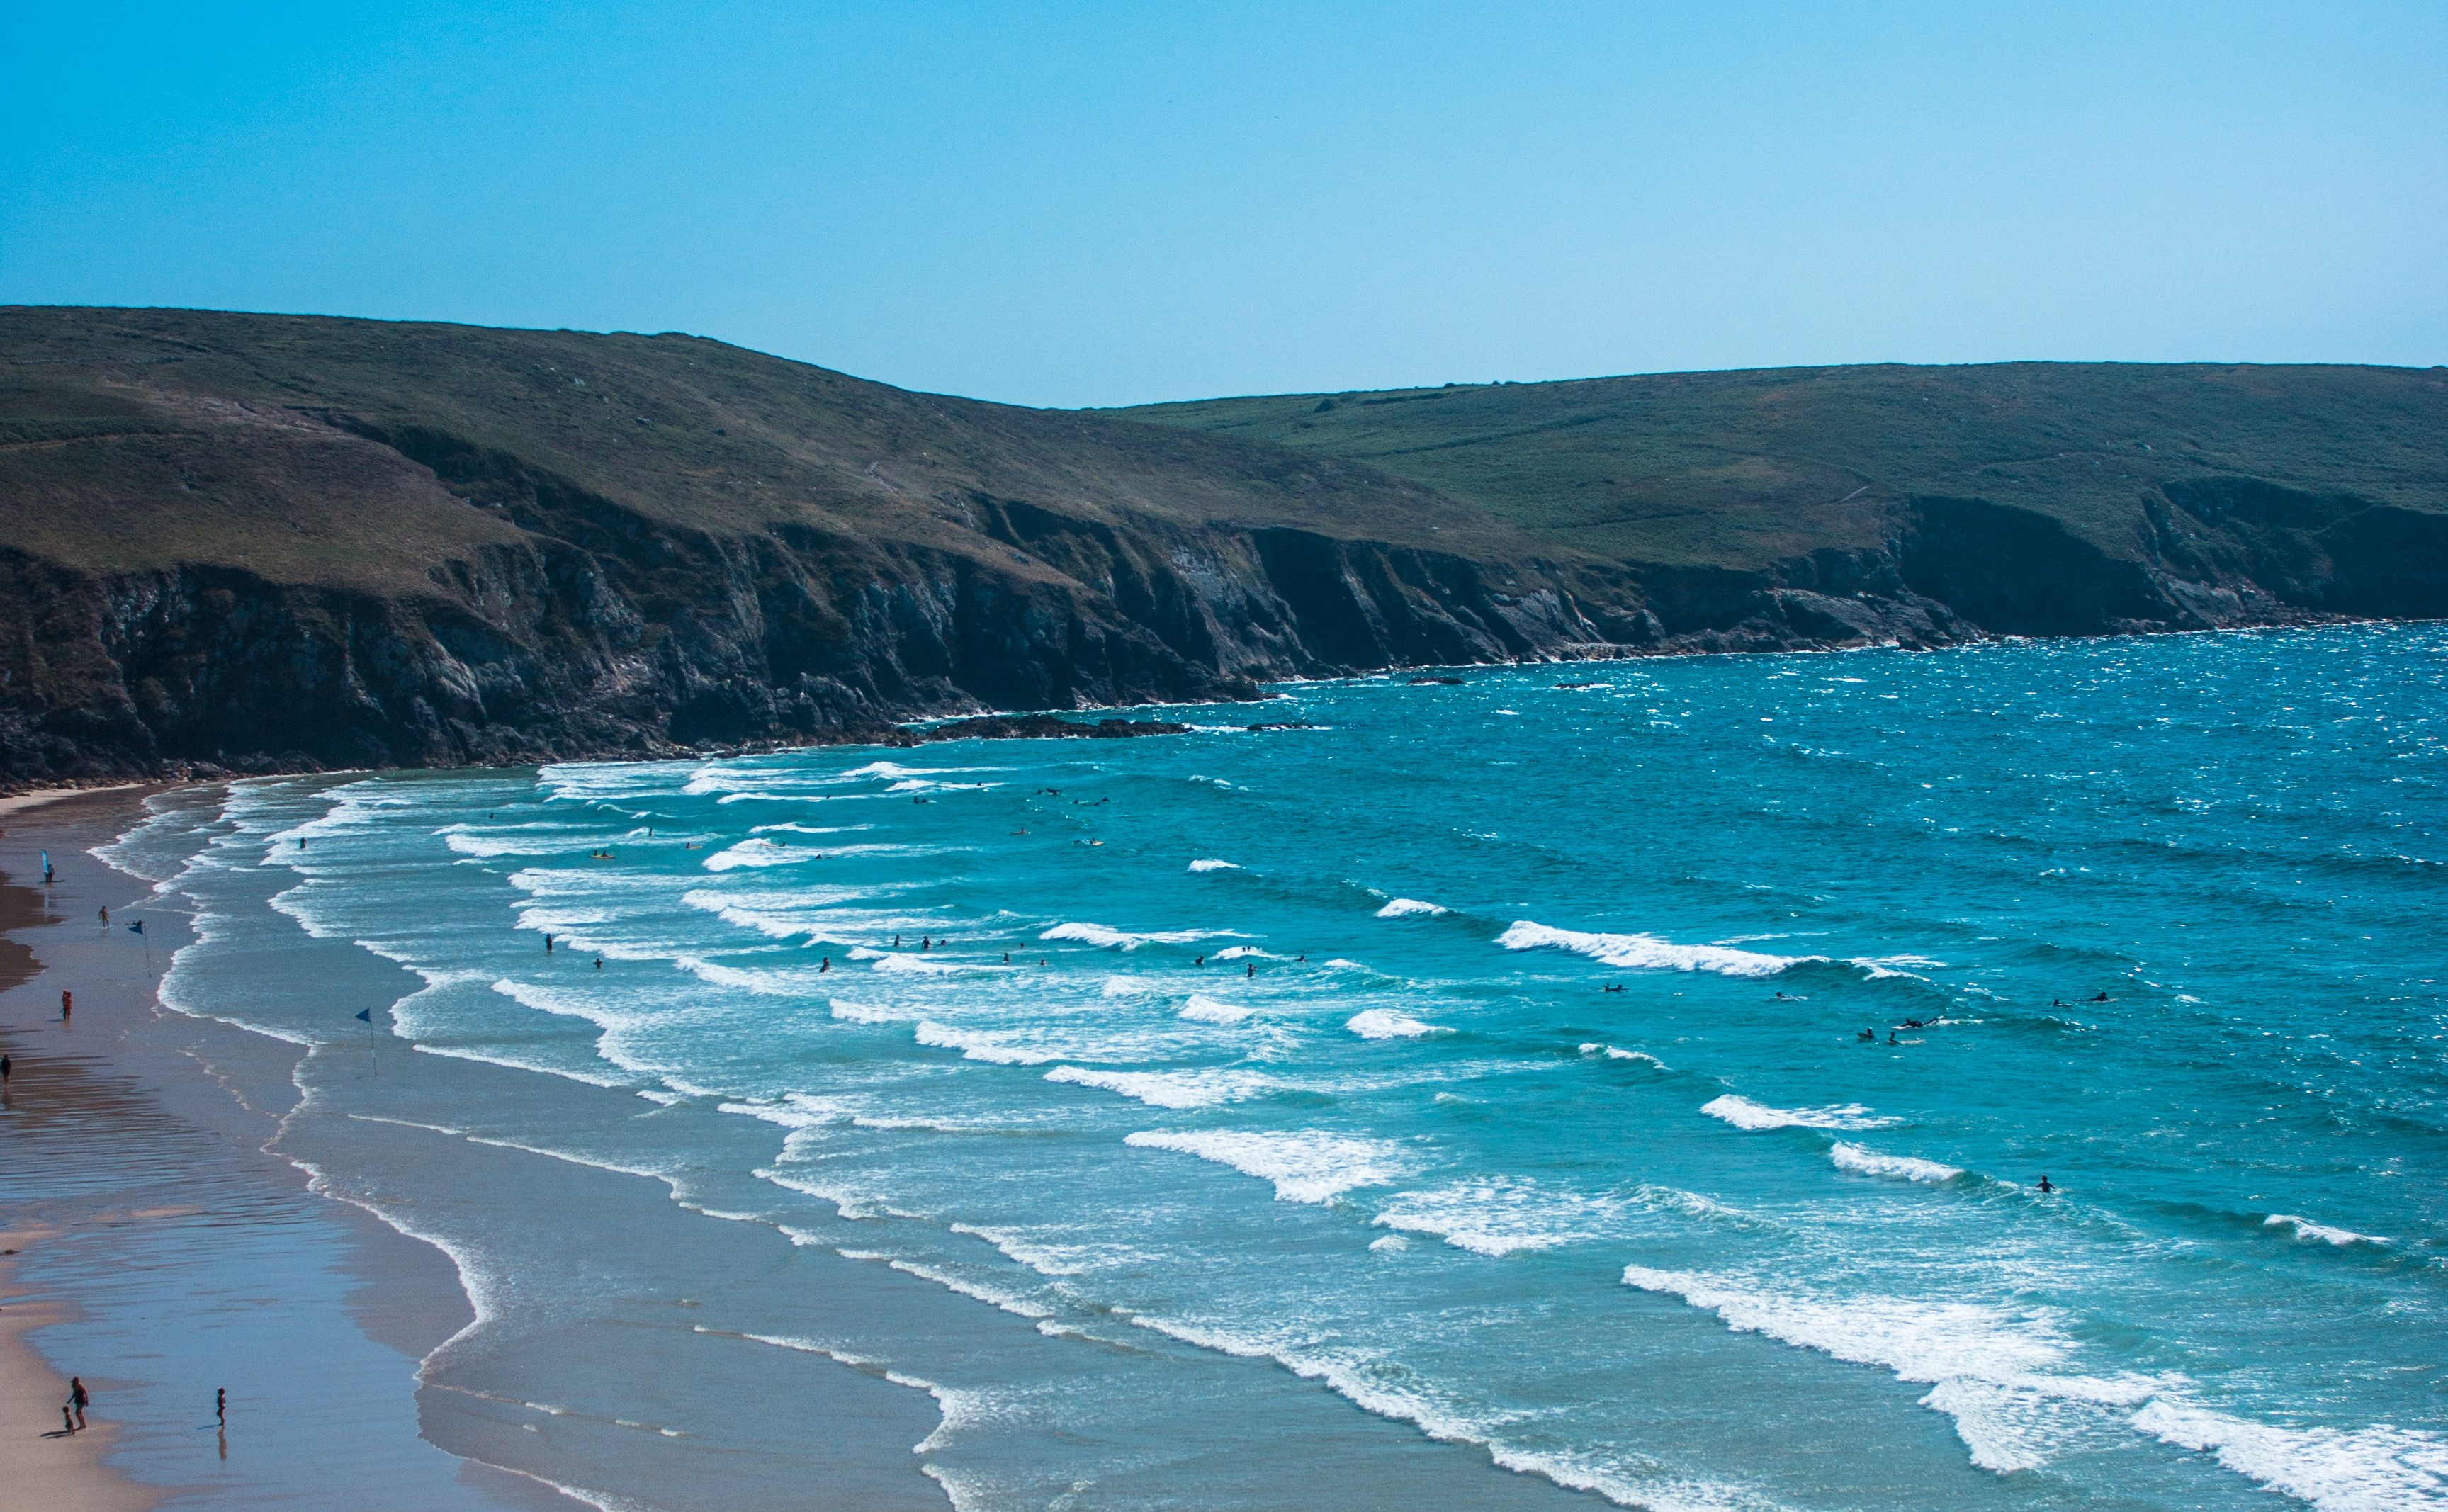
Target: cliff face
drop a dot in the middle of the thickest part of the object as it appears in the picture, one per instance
(240, 544)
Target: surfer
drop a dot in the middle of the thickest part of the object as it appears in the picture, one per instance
(2103, 998)
(598, 962)
(926, 942)
(1891, 1038)
(1201, 961)
(1254, 968)
(1007, 958)
(2045, 1187)
(825, 965)
(1870, 1036)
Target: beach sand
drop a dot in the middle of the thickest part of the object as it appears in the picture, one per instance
(47, 1469)
(139, 1194)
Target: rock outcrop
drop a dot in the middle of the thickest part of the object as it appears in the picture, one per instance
(241, 545)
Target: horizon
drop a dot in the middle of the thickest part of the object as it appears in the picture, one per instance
(1093, 207)
(1281, 394)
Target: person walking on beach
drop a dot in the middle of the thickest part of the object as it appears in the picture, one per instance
(78, 1399)
(6, 1066)
(68, 1004)
(220, 1404)
(105, 918)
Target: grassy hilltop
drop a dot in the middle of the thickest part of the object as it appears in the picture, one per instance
(1740, 470)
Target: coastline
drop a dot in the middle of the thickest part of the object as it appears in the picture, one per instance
(212, 1162)
(104, 1256)
(47, 1469)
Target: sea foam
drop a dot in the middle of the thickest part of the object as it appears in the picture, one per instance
(1904, 1167)
(1744, 1113)
(1305, 1166)
(1385, 1023)
(977, 1044)
(1207, 1010)
(1105, 938)
(1646, 952)
(1407, 907)
(1204, 865)
(1170, 1089)
(2306, 1229)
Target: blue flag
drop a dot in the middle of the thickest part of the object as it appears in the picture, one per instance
(368, 1015)
(138, 928)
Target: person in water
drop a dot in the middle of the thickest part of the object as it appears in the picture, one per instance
(1254, 968)
(1891, 1038)
(2045, 1188)
(825, 965)
(1869, 1034)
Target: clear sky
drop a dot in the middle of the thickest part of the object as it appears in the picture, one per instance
(1096, 203)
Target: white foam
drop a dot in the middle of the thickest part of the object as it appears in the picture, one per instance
(1109, 939)
(1647, 952)
(2375, 1470)
(1171, 1089)
(867, 1012)
(977, 1044)
(1215, 866)
(1614, 1053)
(1207, 1010)
(1406, 907)
(1305, 1166)
(1503, 1216)
(2306, 1229)
(1385, 1023)
(1997, 1373)
(1906, 1167)
(756, 852)
(795, 828)
(1744, 1113)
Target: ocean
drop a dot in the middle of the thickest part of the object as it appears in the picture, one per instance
(1637, 1077)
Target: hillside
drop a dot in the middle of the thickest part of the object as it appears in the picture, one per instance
(2027, 497)
(254, 542)
(266, 541)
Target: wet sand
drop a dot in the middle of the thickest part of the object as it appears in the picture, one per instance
(162, 1253)
(48, 1467)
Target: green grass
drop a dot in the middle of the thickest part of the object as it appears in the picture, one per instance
(136, 438)
(1741, 468)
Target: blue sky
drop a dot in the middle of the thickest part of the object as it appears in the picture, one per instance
(1108, 204)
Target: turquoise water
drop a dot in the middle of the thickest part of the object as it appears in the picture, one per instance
(1309, 1050)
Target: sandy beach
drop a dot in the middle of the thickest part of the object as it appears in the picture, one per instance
(128, 1128)
(48, 1467)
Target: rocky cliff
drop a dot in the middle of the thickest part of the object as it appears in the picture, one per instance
(246, 544)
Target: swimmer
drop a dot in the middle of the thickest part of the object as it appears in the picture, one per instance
(926, 942)
(1007, 958)
(2045, 1188)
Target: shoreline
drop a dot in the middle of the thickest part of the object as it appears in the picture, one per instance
(71, 1473)
(920, 729)
(222, 1093)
